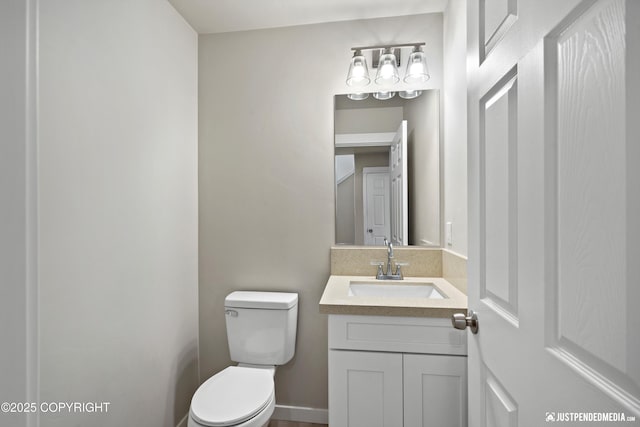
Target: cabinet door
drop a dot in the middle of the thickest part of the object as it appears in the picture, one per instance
(435, 390)
(365, 389)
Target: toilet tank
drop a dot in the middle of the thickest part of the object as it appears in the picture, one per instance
(261, 326)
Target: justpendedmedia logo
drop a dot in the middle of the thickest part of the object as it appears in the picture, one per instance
(588, 417)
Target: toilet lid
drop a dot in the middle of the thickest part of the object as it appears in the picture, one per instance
(232, 396)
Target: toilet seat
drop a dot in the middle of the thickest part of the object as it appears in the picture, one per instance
(232, 396)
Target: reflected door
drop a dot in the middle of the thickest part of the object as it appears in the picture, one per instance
(399, 187)
(376, 196)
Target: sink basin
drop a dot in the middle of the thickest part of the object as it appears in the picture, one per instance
(418, 290)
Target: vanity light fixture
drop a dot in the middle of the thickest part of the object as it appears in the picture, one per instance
(387, 72)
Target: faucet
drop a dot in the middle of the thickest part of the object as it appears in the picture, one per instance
(389, 246)
(389, 275)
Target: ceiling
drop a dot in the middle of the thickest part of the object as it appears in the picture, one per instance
(219, 16)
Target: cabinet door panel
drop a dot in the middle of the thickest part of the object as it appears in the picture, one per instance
(435, 390)
(365, 389)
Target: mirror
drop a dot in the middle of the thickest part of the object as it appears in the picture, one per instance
(387, 170)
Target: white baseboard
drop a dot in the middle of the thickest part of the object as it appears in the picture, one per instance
(301, 414)
(183, 422)
(288, 413)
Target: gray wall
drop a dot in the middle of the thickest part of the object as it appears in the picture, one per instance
(345, 211)
(455, 123)
(368, 120)
(266, 124)
(17, 302)
(423, 144)
(118, 211)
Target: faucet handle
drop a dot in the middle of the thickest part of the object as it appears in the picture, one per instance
(379, 273)
(399, 265)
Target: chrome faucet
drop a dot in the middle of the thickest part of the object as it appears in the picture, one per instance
(389, 275)
(389, 246)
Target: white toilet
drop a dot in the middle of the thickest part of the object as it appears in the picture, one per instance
(261, 330)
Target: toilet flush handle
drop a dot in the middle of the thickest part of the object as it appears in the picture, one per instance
(232, 313)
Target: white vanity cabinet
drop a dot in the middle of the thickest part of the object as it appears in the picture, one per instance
(396, 371)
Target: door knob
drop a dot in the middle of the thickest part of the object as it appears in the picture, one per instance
(370, 230)
(459, 321)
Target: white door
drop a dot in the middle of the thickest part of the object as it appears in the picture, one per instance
(554, 211)
(375, 192)
(399, 187)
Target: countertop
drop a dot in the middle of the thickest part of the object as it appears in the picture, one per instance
(335, 299)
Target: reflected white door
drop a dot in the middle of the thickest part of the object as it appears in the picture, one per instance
(375, 192)
(399, 187)
(554, 210)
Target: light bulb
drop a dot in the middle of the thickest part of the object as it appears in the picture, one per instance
(358, 72)
(416, 68)
(386, 71)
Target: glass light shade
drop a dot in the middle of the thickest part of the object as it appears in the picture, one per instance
(383, 95)
(357, 96)
(358, 75)
(409, 94)
(387, 69)
(417, 71)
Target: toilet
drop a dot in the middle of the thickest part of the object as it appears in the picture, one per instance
(261, 333)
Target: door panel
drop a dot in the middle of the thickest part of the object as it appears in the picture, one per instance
(435, 390)
(497, 16)
(500, 410)
(367, 389)
(554, 209)
(591, 216)
(498, 192)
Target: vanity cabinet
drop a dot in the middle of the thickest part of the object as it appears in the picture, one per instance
(396, 371)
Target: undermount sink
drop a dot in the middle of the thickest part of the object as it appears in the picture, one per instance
(372, 289)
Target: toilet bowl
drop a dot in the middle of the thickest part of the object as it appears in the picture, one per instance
(236, 396)
(261, 332)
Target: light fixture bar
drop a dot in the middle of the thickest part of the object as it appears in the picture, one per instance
(388, 61)
(388, 46)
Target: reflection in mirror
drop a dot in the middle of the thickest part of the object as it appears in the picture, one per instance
(387, 170)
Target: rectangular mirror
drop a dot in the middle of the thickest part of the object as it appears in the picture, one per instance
(387, 170)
